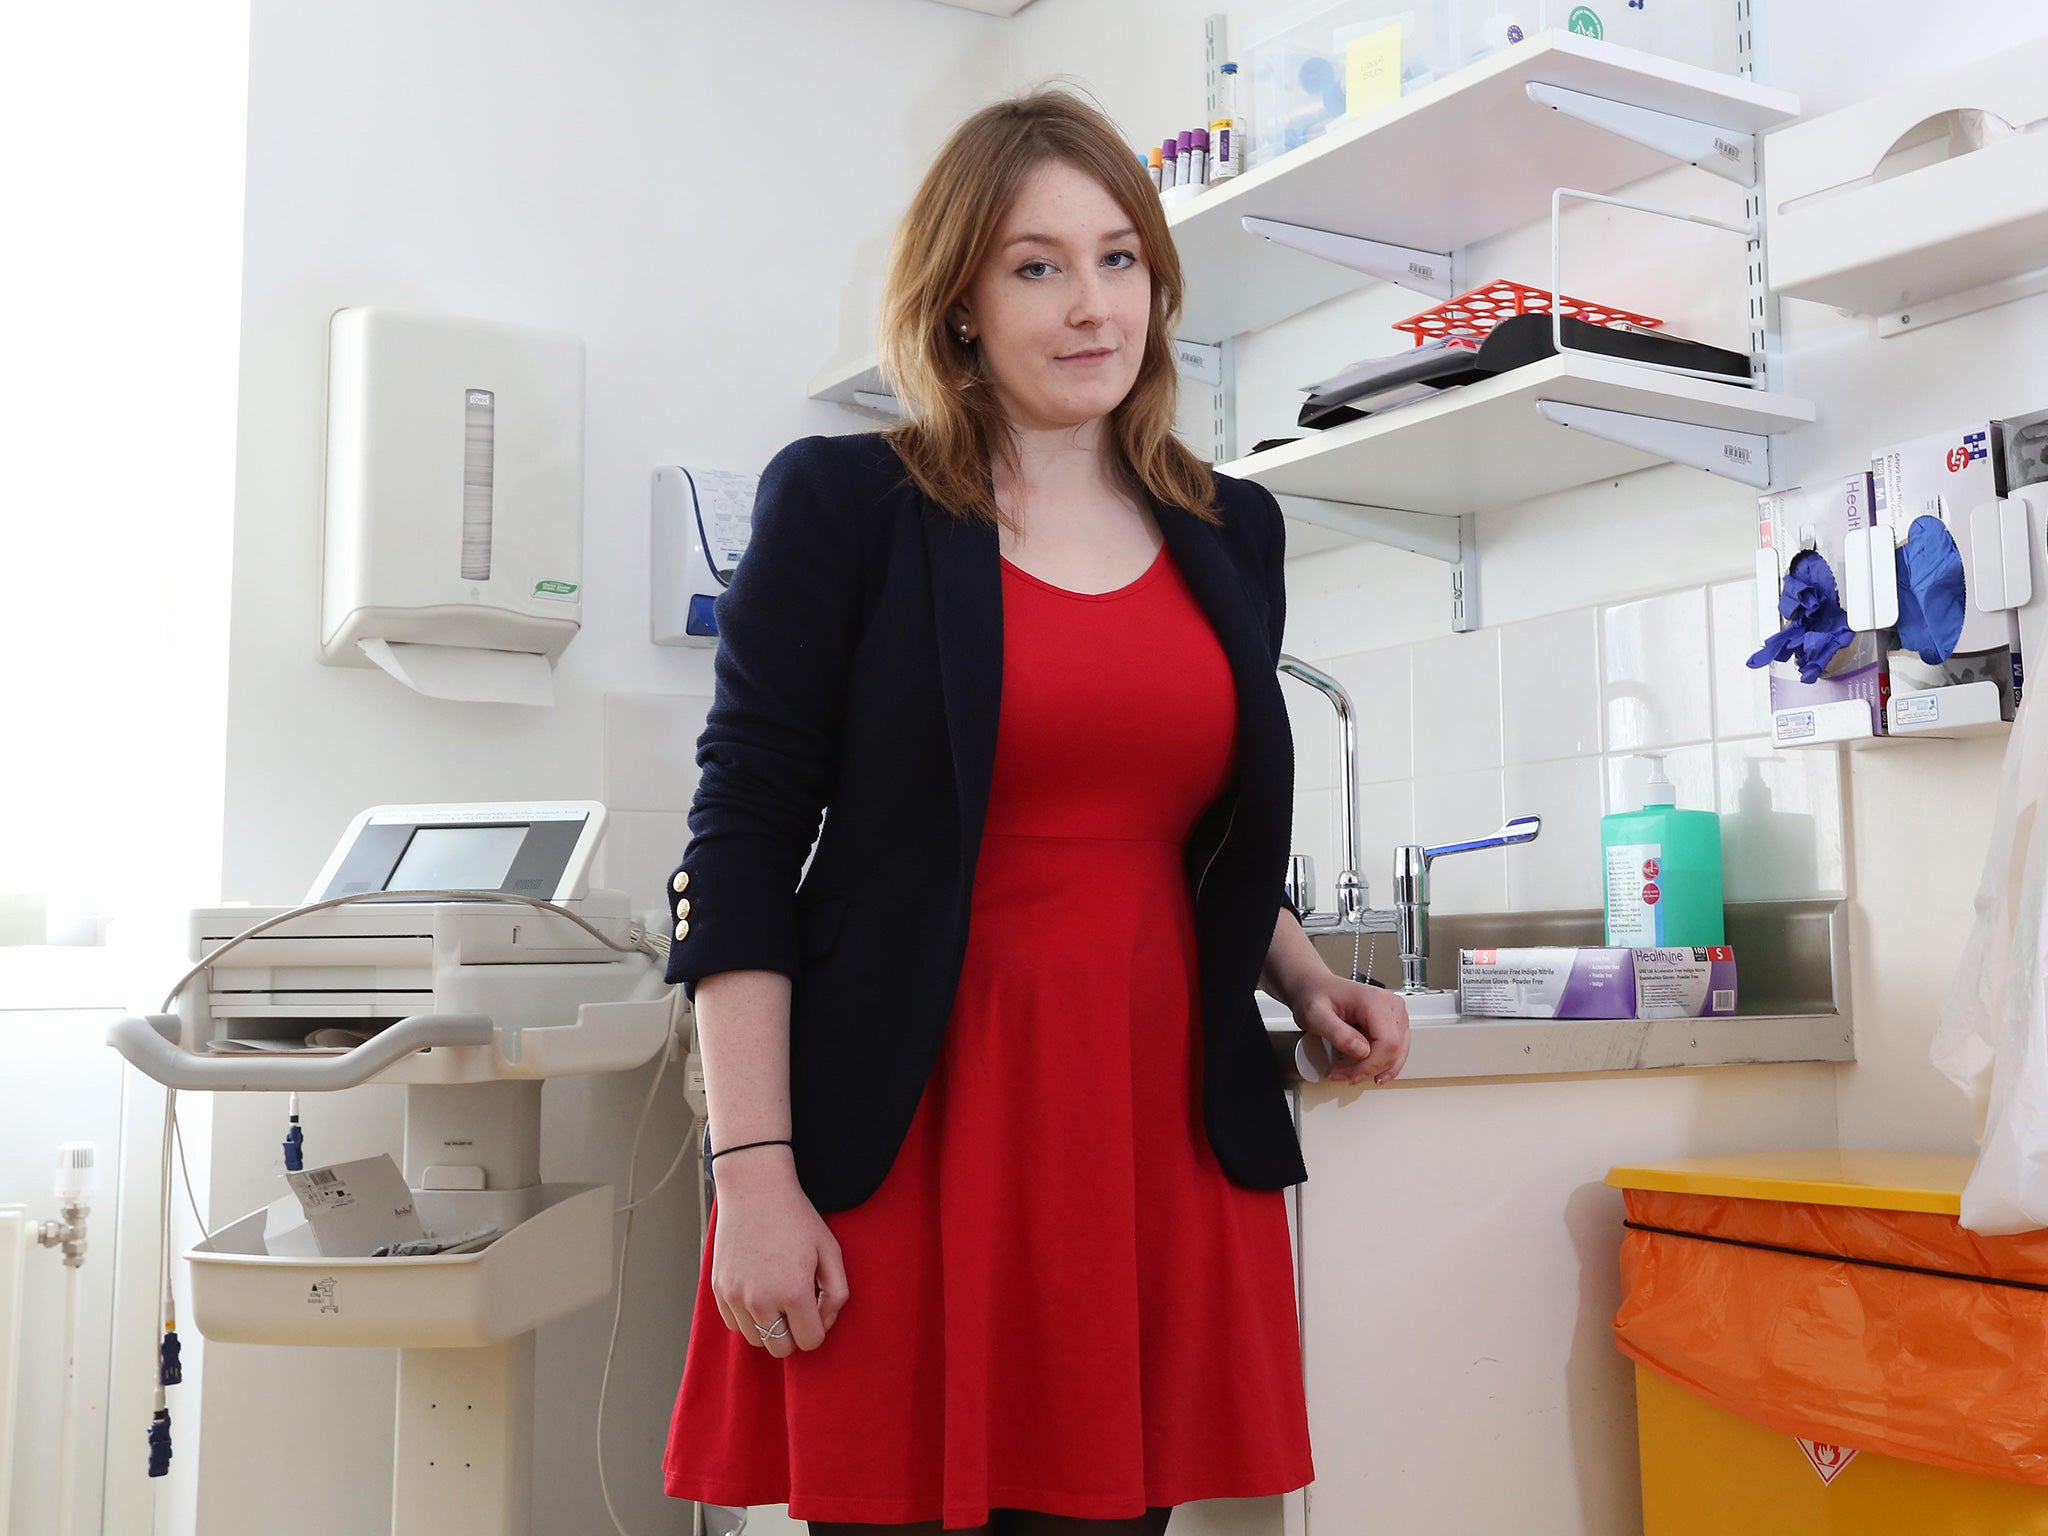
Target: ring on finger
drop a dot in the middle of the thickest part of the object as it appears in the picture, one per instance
(779, 1331)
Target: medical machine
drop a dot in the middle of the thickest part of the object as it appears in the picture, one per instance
(458, 950)
(454, 520)
(702, 521)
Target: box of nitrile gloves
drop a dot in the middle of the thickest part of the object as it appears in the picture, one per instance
(1560, 982)
(1674, 983)
(1948, 477)
(1847, 699)
(1551, 982)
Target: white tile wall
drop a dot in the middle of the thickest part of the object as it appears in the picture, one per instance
(1456, 706)
(1315, 729)
(1782, 831)
(1381, 688)
(1386, 820)
(1742, 694)
(1653, 656)
(1545, 717)
(650, 776)
(1561, 869)
(650, 750)
(638, 851)
(1690, 770)
(1451, 807)
(1316, 826)
(1550, 687)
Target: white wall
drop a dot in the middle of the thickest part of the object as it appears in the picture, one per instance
(690, 187)
(1458, 1244)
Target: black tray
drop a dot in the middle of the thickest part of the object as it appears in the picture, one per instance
(1515, 343)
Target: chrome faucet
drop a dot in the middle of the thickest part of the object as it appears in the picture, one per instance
(1411, 891)
(1354, 912)
(1409, 916)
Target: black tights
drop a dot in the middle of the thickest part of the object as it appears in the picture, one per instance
(1007, 1522)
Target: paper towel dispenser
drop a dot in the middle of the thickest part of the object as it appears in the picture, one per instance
(454, 522)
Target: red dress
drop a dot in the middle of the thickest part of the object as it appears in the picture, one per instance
(1057, 1298)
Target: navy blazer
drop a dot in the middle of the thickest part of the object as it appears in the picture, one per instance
(859, 672)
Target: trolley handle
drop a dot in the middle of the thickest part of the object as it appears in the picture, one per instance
(150, 1043)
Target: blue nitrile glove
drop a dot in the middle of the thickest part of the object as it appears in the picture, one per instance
(1816, 628)
(1931, 597)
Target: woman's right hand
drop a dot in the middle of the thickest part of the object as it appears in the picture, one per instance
(774, 1255)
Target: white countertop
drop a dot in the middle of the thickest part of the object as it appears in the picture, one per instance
(1469, 1047)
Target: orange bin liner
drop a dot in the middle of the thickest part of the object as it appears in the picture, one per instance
(1938, 1367)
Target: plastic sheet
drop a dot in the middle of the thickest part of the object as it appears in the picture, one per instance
(1992, 1039)
(1938, 1368)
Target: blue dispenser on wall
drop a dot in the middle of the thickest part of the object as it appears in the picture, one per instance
(703, 519)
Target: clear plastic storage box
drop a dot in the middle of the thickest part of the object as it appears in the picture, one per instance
(1304, 67)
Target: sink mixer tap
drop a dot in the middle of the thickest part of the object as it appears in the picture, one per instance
(1355, 913)
(1411, 891)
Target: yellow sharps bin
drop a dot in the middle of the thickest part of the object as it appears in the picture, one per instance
(1821, 1347)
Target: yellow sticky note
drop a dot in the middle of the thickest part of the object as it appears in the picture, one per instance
(1372, 69)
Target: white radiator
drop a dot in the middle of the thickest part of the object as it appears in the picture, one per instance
(15, 1236)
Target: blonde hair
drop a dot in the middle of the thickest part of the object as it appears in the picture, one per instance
(957, 431)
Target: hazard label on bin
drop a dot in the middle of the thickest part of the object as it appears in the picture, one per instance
(1828, 1460)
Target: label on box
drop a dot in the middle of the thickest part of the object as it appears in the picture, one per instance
(352, 1208)
(1916, 708)
(1635, 913)
(1685, 983)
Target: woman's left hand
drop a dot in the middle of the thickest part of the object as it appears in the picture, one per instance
(1367, 1027)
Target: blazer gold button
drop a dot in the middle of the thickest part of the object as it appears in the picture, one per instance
(681, 881)
(683, 929)
(682, 906)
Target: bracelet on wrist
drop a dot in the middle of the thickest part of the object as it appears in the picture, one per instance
(778, 1142)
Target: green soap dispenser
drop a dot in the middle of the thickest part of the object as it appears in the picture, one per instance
(1663, 871)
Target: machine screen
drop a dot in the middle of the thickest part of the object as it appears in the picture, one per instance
(457, 859)
(525, 856)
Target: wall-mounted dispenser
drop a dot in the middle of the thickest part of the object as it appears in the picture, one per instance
(454, 522)
(703, 519)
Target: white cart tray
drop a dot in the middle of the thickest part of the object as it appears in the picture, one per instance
(555, 1261)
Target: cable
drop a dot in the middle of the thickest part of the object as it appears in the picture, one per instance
(168, 1369)
(674, 1042)
(184, 1171)
(670, 1045)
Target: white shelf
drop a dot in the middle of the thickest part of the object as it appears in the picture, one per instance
(1466, 158)
(842, 382)
(1483, 446)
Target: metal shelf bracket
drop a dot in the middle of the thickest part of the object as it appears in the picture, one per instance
(1449, 539)
(1725, 152)
(1430, 272)
(1744, 456)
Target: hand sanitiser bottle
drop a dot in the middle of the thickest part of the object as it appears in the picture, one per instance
(1663, 871)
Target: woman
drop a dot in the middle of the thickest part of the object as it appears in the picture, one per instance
(1021, 652)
